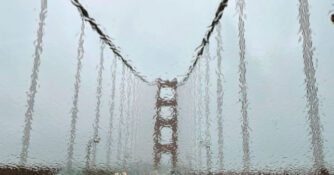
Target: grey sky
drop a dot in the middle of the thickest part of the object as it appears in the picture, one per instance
(159, 37)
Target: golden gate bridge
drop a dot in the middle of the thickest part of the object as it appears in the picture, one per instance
(193, 77)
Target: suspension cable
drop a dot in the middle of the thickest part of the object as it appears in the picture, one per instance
(106, 39)
(205, 40)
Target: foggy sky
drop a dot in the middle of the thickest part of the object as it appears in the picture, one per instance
(159, 38)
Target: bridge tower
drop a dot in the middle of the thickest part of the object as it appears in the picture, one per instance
(165, 101)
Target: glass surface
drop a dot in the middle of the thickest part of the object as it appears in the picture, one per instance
(69, 105)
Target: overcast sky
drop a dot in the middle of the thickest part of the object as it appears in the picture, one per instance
(159, 38)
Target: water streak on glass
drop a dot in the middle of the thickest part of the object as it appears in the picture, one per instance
(199, 111)
(128, 95)
(74, 109)
(311, 86)
(33, 86)
(111, 110)
(133, 124)
(96, 138)
(207, 111)
(220, 94)
(121, 120)
(193, 105)
(243, 86)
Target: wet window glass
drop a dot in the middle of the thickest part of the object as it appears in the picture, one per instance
(166, 87)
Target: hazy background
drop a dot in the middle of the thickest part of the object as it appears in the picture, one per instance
(159, 37)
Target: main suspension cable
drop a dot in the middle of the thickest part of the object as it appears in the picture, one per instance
(106, 39)
(205, 40)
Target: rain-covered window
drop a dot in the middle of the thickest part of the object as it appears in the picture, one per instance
(166, 87)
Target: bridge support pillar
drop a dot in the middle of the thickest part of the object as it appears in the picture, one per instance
(166, 119)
